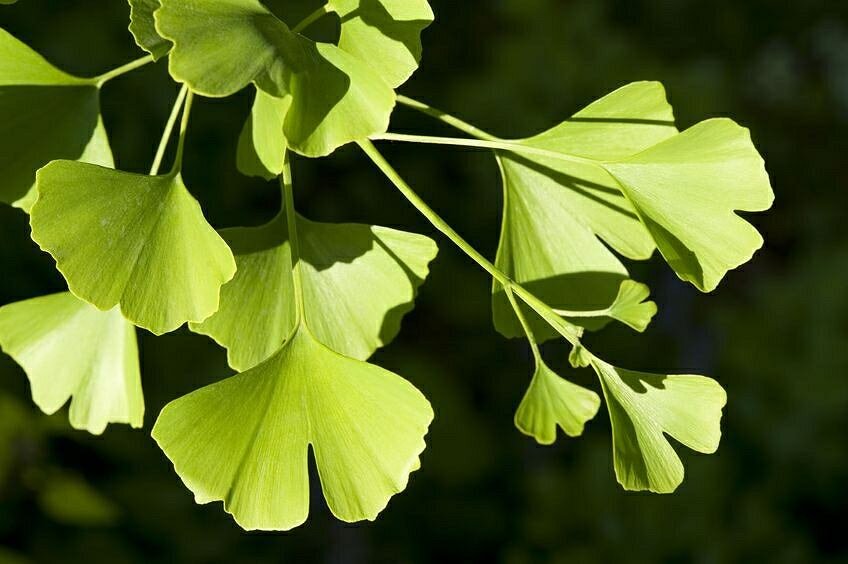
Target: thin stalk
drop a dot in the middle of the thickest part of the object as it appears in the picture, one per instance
(294, 241)
(528, 331)
(122, 70)
(569, 332)
(312, 18)
(178, 160)
(446, 118)
(511, 146)
(169, 129)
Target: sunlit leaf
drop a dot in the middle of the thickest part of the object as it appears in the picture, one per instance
(262, 144)
(143, 28)
(644, 408)
(687, 189)
(359, 281)
(132, 240)
(629, 307)
(553, 401)
(70, 349)
(45, 114)
(221, 46)
(559, 215)
(245, 440)
(384, 34)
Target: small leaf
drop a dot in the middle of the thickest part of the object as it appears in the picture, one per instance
(579, 357)
(262, 144)
(132, 240)
(70, 349)
(630, 306)
(45, 114)
(358, 280)
(221, 46)
(644, 408)
(245, 440)
(686, 190)
(557, 212)
(550, 401)
(143, 28)
(385, 34)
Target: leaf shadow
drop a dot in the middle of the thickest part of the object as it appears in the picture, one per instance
(374, 14)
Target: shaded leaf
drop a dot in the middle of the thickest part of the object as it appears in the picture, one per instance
(644, 408)
(70, 349)
(262, 144)
(132, 240)
(244, 441)
(143, 28)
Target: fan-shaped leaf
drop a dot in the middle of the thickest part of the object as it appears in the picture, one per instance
(70, 349)
(143, 28)
(244, 441)
(644, 408)
(262, 144)
(130, 239)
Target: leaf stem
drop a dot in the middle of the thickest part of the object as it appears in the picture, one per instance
(446, 118)
(122, 70)
(570, 332)
(312, 18)
(531, 338)
(178, 160)
(169, 129)
(511, 146)
(294, 241)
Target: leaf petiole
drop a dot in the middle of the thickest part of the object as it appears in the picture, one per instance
(291, 220)
(102, 79)
(528, 331)
(169, 128)
(446, 118)
(178, 160)
(312, 18)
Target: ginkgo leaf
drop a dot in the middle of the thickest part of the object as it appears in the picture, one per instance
(687, 189)
(643, 408)
(45, 114)
(70, 349)
(359, 281)
(550, 401)
(245, 440)
(7, 2)
(221, 46)
(558, 213)
(385, 34)
(143, 28)
(629, 307)
(132, 240)
(262, 144)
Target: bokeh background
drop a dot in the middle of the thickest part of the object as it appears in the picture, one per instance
(775, 333)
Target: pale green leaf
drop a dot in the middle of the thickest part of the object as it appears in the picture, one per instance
(245, 440)
(359, 281)
(629, 307)
(70, 349)
(550, 401)
(221, 46)
(687, 189)
(262, 144)
(384, 34)
(143, 28)
(644, 408)
(132, 240)
(45, 114)
(560, 215)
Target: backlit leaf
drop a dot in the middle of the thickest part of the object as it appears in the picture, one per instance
(262, 144)
(132, 240)
(70, 349)
(143, 28)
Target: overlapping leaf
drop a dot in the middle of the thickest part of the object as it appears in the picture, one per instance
(557, 212)
(262, 144)
(245, 441)
(143, 28)
(70, 349)
(221, 46)
(132, 240)
(358, 280)
(644, 408)
(45, 114)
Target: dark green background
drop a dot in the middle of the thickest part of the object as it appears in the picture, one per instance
(775, 333)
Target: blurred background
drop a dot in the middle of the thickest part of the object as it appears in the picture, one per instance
(775, 334)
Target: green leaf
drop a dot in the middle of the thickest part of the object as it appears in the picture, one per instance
(132, 240)
(143, 28)
(262, 144)
(559, 213)
(629, 307)
(644, 408)
(7, 2)
(686, 190)
(70, 349)
(551, 401)
(221, 46)
(359, 281)
(46, 114)
(245, 440)
(385, 34)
